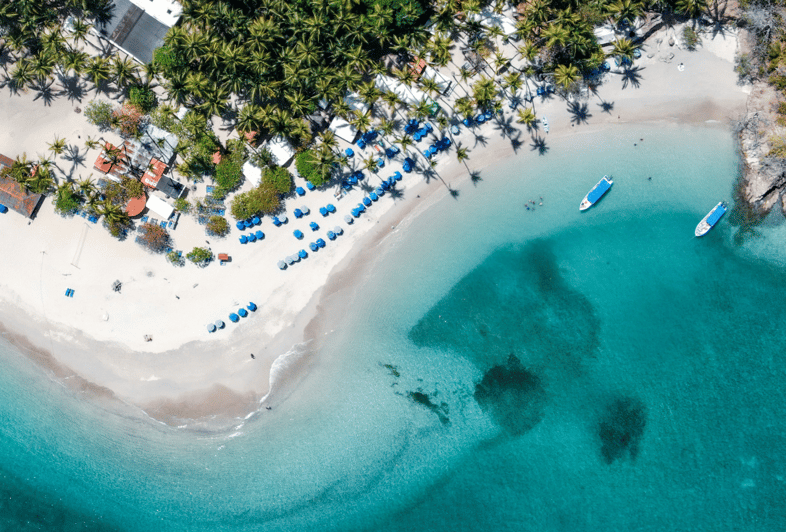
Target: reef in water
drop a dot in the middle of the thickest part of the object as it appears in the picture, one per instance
(622, 428)
(512, 395)
(440, 410)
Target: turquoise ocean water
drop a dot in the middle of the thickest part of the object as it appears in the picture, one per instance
(501, 369)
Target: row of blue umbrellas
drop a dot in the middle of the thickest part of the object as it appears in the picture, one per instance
(327, 209)
(252, 237)
(301, 212)
(234, 318)
(422, 132)
(438, 146)
(246, 224)
(280, 219)
(366, 138)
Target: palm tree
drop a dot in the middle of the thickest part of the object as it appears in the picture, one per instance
(386, 127)
(22, 75)
(405, 142)
(98, 71)
(625, 10)
(57, 146)
(624, 48)
(566, 76)
(461, 153)
(370, 163)
(79, 30)
(513, 82)
(361, 121)
(484, 90)
(500, 62)
(86, 186)
(464, 107)
(113, 214)
(692, 8)
(124, 70)
(328, 139)
(247, 119)
(75, 61)
(527, 117)
(91, 143)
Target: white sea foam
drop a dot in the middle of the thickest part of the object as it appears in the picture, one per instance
(284, 366)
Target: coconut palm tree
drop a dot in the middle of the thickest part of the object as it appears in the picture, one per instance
(22, 75)
(513, 82)
(461, 153)
(370, 163)
(113, 214)
(79, 30)
(98, 71)
(464, 107)
(86, 186)
(361, 121)
(566, 76)
(624, 48)
(527, 117)
(328, 139)
(625, 10)
(692, 8)
(57, 146)
(124, 71)
(484, 90)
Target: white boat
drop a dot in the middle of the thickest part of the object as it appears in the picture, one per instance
(709, 221)
(545, 123)
(596, 193)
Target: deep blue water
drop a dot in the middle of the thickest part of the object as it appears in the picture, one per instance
(502, 369)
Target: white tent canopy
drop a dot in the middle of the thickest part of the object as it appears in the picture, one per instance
(252, 173)
(281, 150)
(494, 20)
(356, 102)
(160, 207)
(410, 95)
(343, 129)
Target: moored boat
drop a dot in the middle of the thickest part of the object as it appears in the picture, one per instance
(709, 221)
(596, 193)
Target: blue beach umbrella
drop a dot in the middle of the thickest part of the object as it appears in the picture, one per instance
(282, 265)
(480, 119)
(219, 324)
(310, 185)
(300, 191)
(243, 239)
(252, 237)
(248, 223)
(467, 122)
(313, 246)
(295, 258)
(330, 207)
(298, 213)
(3, 208)
(348, 219)
(291, 259)
(252, 306)
(397, 176)
(302, 254)
(240, 225)
(283, 218)
(331, 235)
(380, 191)
(260, 235)
(426, 153)
(298, 234)
(276, 221)
(243, 312)
(321, 243)
(314, 226)
(234, 318)
(256, 221)
(454, 129)
(373, 196)
(211, 327)
(349, 152)
(367, 201)
(305, 209)
(323, 211)
(338, 230)
(385, 185)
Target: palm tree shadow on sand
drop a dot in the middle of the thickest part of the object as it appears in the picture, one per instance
(475, 177)
(73, 88)
(539, 145)
(44, 93)
(579, 112)
(516, 143)
(606, 107)
(631, 76)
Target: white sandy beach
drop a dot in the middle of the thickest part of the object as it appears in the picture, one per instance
(185, 371)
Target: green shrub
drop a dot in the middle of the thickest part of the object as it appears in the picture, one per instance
(278, 178)
(260, 200)
(308, 168)
(182, 205)
(217, 226)
(142, 97)
(229, 174)
(200, 256)
(66, 201)
(164, 57)
(778, 81)
(690, 38)
(176, 258)
(99, 114)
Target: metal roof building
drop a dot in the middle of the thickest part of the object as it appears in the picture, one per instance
(140, 30)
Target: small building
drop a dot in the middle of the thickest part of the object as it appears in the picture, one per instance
(252, 173)
(160, 207)
(14, 196)
(281, 150)
(138, 27)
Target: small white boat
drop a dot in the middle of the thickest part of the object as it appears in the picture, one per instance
(596, 193)
(709, 221)
(545, 123)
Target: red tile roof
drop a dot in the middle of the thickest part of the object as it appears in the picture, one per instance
(152, 176)
(13, 195)
(104, 164)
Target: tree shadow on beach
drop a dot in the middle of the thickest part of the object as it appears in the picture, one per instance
(539, 145)
(631, 76)
(480, 139)
(396, 193)
(475, 177)
(505, 126)
(74, 88)
(516, 143)
(606, 107)
(73, 155)
(44, 92)
(579, 113)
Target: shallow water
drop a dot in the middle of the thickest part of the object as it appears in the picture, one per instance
(502, 369)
